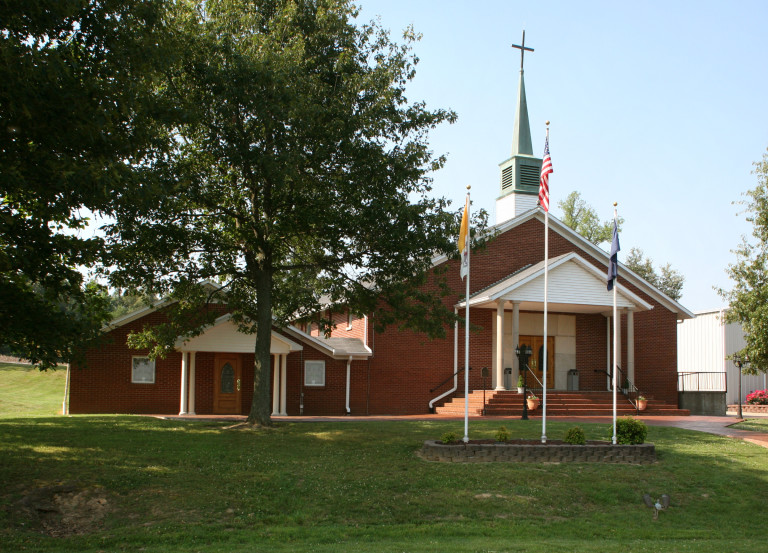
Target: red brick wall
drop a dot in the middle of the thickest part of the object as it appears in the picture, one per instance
(104, 385)
(405, 367)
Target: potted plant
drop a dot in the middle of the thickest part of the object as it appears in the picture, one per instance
(520, 384)
(533, 401)
(625, 386)
(642, 402)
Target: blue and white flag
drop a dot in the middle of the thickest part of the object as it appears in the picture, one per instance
(613, 265)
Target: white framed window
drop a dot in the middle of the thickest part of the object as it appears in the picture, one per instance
(314, 373)
(142, 370)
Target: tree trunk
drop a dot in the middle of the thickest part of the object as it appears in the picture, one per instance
(260, 406)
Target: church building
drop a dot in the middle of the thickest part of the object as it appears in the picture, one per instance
(358, 371)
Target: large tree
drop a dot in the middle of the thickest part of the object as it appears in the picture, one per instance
(582, 217)
(667, 279)
(77, 114)
(748, 299)
(300, 178)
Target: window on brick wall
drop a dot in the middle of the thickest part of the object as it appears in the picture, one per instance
(314, 373)
(143, 371)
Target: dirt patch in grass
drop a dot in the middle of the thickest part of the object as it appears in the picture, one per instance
(65, 509)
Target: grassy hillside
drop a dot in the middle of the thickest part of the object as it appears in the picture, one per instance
(121, 483)
(25, 391)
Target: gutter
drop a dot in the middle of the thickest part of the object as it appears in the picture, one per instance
(349, 366)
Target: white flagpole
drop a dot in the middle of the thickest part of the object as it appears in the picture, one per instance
(615, 338)
(466, 333)
(546, 358)
(546, 291)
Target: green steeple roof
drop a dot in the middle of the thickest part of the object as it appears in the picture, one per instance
(521, 137)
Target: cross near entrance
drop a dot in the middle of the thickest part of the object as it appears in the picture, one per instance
(522, 47)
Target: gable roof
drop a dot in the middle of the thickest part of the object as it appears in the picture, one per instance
(142, 311)
(338, 348)
(588, 247)
(589, 295)
(223, 336)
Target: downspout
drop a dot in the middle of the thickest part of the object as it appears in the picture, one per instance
(301, 382)
(349, 365)
(65, 403)
(455, 363)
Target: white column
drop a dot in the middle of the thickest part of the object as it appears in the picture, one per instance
(192, 360)
(631, 346)
(515, 339)
(623, 372)
(276, 386)
(500, 345)
(608, 349)
(283, 386)
(184, 384)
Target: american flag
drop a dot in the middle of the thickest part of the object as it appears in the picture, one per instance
(546, 169)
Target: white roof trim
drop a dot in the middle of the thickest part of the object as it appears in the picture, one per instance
(238, 342)
(139, 313)
(590, 248)
(322, 345)
(535, 272)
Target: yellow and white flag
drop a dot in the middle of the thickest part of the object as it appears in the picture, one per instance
(464, 240)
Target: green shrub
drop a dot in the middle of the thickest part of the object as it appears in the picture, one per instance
(449, 438)
(630, 431)
(575, 435)
(502, 434)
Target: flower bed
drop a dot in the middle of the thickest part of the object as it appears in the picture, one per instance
(530, 451)
(758, 397)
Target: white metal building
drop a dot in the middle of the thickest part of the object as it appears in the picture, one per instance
(704, 344)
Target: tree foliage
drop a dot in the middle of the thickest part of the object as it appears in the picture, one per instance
(667, 279)
(77, 124)
(301, 174)
(748, 299)
(581, 217)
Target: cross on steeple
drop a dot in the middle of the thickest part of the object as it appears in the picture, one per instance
(522, 47)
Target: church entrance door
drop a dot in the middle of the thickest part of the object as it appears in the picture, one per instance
(536, 362)
(227, 385)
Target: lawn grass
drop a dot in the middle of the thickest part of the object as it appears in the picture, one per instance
(174, 486)
(754, 425)
(27, 391)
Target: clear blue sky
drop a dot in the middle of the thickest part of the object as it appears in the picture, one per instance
(659, 106)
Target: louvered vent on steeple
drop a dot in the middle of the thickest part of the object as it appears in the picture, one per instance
(507, 178)
(529, 176)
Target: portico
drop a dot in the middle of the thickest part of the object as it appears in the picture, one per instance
(226, 342)
(576, 287)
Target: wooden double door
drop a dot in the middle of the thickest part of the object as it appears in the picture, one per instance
(228, 384)
(536, 362)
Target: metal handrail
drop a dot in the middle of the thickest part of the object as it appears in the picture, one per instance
(447, 379)
(722, 385)
(632, 389)
(534, 376)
